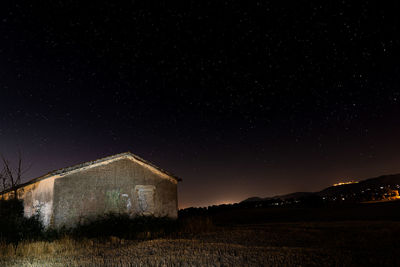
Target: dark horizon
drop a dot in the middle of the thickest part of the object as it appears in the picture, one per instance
(258, 100)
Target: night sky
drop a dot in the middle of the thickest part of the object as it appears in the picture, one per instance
(238, 100)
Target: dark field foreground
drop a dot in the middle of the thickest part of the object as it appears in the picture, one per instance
(352, 243)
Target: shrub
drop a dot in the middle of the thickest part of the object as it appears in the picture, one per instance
(123, 226)
(14, 227)
(195, 224)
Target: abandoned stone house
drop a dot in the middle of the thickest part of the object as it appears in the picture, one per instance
(122, 183)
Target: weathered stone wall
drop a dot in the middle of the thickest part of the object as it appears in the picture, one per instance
(38, 199)
(122, 186)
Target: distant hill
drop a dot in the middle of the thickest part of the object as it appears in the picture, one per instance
(364, 190)
(295, 195)
(253, 199)
(283, 197)
(393, 181)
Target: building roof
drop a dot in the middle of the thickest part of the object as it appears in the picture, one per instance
(84, 165)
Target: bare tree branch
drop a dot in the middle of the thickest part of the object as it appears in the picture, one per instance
(11, 177)
(3, 179)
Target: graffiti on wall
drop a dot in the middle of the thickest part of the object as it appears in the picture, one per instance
(145, 199)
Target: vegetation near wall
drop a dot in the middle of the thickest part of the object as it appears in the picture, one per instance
(14, 227)
(122, 226)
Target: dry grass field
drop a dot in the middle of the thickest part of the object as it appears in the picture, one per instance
(354, 243)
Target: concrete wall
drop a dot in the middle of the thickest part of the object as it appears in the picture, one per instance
(121, 186)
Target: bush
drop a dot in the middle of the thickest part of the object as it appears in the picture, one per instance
(14, 227)
(122, 226)
(195, 224)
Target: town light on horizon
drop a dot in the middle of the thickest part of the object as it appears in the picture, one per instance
(344, 183)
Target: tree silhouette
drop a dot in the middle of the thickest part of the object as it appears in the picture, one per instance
(10, 175)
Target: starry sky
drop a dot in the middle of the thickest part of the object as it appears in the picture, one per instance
(240, 100)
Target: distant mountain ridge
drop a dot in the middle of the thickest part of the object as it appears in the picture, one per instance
(346, 190)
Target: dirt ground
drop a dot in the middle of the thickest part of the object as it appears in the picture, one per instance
(274, 244)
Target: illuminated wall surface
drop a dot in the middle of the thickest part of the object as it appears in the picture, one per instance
(119, 184)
